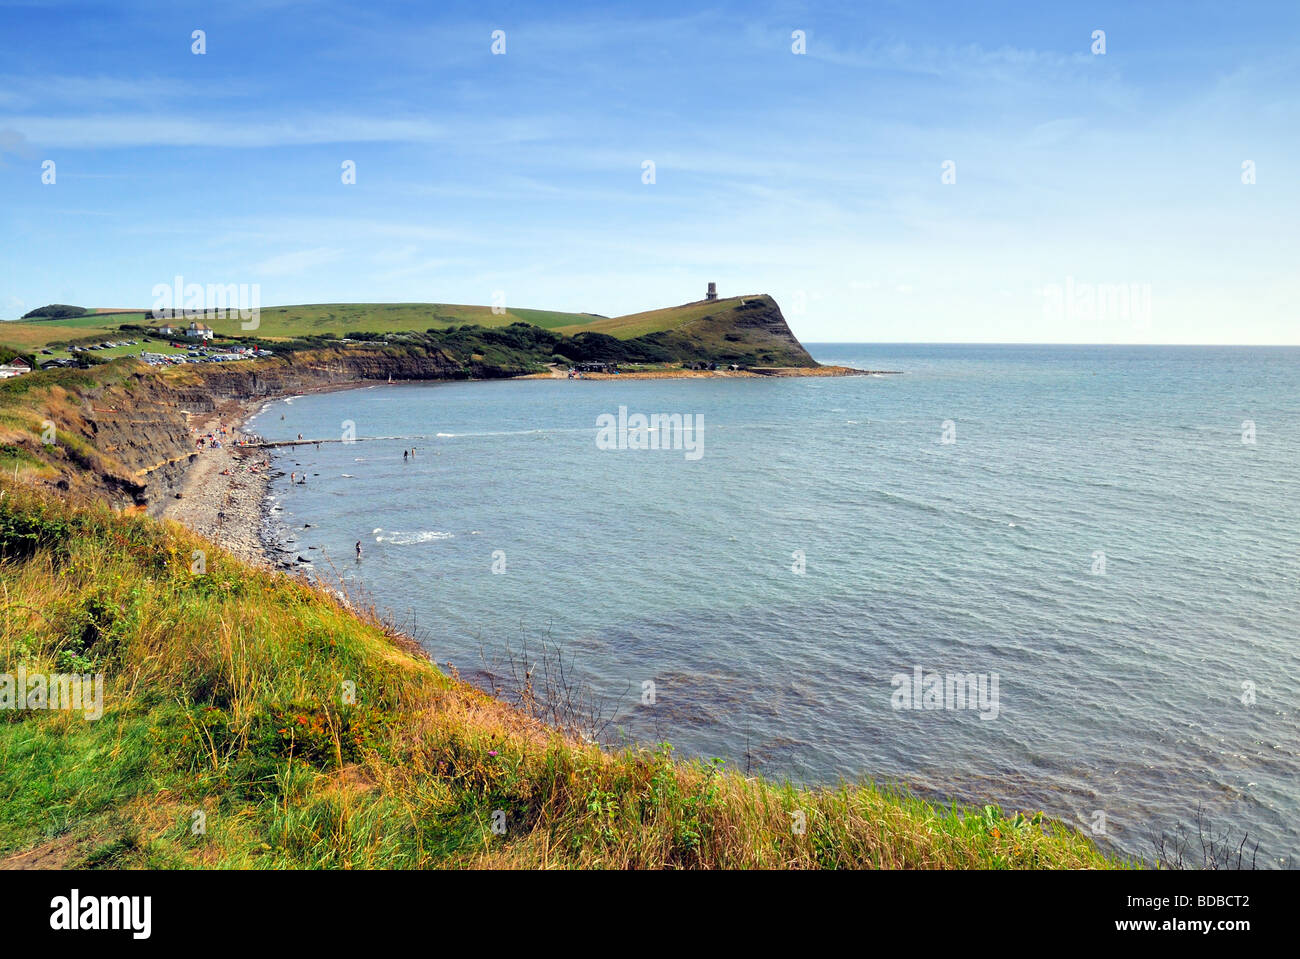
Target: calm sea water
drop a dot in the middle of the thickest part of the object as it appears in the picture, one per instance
(1165, 680)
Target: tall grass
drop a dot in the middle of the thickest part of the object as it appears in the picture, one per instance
(231, 738)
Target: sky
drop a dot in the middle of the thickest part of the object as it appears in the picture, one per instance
(921, 172)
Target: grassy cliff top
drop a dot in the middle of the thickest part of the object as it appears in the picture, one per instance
(661, 320)
(228, 740)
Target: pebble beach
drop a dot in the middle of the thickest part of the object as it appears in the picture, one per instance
(223, 495)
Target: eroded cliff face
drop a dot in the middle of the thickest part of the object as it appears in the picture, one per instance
(130, 433)
(752, 331)
(761, 321)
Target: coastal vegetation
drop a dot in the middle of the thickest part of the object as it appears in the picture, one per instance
(54, 311)
(253, 720)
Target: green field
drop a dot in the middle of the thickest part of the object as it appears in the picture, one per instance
(34, 335)
(746, 330)
(287, 322)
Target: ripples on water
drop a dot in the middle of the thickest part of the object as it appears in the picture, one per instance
(1120, 693)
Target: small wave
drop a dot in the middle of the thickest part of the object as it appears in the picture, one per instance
(399, 538)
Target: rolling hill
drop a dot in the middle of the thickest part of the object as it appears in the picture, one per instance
(748, 330)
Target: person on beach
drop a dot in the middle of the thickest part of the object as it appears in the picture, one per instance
(406, 455)
(358, 551)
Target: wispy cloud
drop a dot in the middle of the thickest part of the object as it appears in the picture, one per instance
(49, 92)
(135, 130)
(297, 262)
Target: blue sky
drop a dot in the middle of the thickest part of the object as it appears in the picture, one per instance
(816, 177)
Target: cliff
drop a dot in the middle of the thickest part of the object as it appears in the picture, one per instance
(121, 431)
(747, 330)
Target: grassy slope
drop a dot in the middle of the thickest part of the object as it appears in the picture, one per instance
(224, 695)
(654, 321)
(34, 335)
(27, 403)
(344, 318)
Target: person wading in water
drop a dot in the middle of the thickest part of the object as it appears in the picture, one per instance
(358, 551)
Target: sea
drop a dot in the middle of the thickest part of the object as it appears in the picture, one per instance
(1056, 578)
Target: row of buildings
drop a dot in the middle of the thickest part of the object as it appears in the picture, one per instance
(195, 331)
